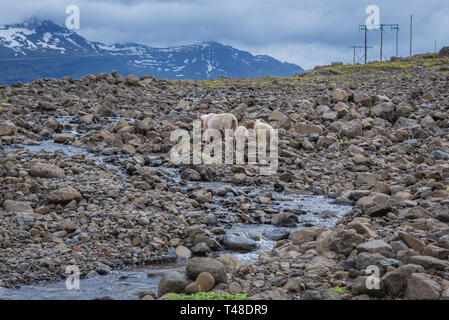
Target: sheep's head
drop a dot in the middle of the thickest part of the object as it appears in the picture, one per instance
(250, 124)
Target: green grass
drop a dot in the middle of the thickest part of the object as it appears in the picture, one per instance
(6, 99)
(208, 296)
(341, 290)
(3, 107)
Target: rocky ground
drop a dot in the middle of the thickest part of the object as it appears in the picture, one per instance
(373, 136)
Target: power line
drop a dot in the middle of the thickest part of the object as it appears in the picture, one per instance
(270, 3)
(411, 34)
(357, 47)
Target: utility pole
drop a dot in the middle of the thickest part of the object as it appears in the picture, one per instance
(396, 27)
(411, 34)
(366, 44)
(365, 28)
(357, 47)
(381, 40)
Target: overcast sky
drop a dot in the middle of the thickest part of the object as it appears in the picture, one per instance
(305, 32)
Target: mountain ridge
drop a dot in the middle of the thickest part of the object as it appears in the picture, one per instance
(31, 49)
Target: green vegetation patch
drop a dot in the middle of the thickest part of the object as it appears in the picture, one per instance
(341, 290)
(208, 296)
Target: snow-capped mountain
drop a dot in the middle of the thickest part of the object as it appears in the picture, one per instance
(38, 48)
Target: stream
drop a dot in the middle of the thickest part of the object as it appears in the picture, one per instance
(127, 284)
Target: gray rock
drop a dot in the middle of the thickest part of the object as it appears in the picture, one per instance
(398, 246)
(363, 99)
(17, 207)
(377, 204)
(238, 243)
(277, 234)
(408, 269)
(375, 246)
(191, 175)
(214, 267)
(440, 155)
(200, 249)
(64, 195)
(360, 287)
(395, 282)
(384, 110)
(430, 262)
(172, 282)
(420, 286)
(365, 181)
(285, 219)
(365, 259)
(345, 241)
(46, 170)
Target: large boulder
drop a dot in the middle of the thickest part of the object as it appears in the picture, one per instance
(229, 261)
(384, 110)
(191, 175)
(363, 99)
(404, 109)
(377, 204)
(132, 79)
(339, 95)
(46, 170)
(308, 129)
(17, 207)
(348, 129)
(430, 262)
(420, 286)
(369, 286)
(285, 219)
(345, 241)
(277, 234)
(375, 246)
(67, 225)
(173, 282)
(214, 267)
(235, 242)
(64, 138)
(365, 181)
(64, 195)
(276, 115)
(444, 52)
(6, 130)
(203, 283)
(306, 235)
(395, 281)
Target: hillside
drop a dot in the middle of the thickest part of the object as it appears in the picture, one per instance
(362, 183)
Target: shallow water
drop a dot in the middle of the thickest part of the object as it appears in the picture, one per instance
(125, 284)
(117, 285)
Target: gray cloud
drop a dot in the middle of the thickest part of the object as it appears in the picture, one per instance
(304, 32)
